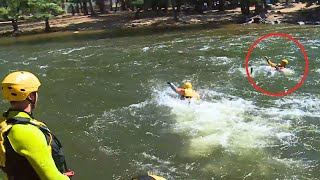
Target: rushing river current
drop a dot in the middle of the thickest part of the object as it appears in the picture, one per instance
(108, 102)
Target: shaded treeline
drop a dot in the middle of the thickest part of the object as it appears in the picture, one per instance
(14, 10)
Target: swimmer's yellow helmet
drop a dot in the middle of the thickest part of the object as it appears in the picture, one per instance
(285, 61)
(187, 85)
(149, 177)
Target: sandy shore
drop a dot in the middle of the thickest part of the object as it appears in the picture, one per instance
(291, 14)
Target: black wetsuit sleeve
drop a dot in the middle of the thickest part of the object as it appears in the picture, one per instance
(174, 88)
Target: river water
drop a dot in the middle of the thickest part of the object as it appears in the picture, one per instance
(108, 102)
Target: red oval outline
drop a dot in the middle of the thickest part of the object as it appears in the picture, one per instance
(304, 54)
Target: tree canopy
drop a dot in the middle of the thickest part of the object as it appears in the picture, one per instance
(14, 10)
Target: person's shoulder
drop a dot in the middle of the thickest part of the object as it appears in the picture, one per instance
(22, 131)
(24, 138)
(180, 89)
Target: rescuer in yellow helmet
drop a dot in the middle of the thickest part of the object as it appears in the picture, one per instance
(186, 92)
(28, 149)
(279, 66)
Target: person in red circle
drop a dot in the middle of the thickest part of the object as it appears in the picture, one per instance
(282, 65)
(186, 92)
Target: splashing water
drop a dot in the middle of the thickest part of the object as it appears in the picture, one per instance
(231, 130)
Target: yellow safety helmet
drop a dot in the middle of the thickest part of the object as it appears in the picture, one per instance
(285, 61)
(157, 177)
(187, 85)
(18, 85)
(149, 177)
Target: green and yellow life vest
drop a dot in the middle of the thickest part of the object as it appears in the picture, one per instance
(15, 165)
(188, 93)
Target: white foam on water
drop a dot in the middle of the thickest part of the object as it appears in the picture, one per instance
(316, 70)
(113, 117)
(223, 124)
(288, 72)
(307, 105)
(240, 70)
(155, 47)
(26, 63)
(178, 40)
(156, 165)
(66, 51)
(2, 61)
(205, 48)
(160, 46)
(33, 58)
(109, 151)
(237, 127)
(269, 71)
(314, 43)
(145, 49)
(219, 60)
(70, 50)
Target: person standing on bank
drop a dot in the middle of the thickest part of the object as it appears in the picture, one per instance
(28, 149)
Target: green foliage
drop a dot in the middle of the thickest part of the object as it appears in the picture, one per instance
(4, 13)
(44, 8)
(16, 9)
(12, 9)
(73, 1)
(137, 2)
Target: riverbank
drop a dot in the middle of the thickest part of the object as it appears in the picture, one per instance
(125, 22)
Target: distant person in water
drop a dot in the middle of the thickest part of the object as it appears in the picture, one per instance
(280, 66)
(186, 92)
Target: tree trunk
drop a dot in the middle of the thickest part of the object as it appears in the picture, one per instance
(174, 11)
(145, 5)
(81, 7)
(63, 5)
(123, 5)
(265, 6)
(15, 26)
(85, 7)
(199, 6)
(210, 4)
(102, 6)
(221, 5)
(257, 9)
(47, 25)
(92, 12)
(158, 7)
(287, 2)
(77, 7)
(153, 5)
(178, 3)
(72, 10)
(117, 1)
(166, 6)
(245, 7)
(137, 14)
(111, 8)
